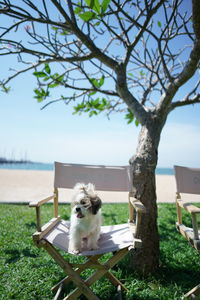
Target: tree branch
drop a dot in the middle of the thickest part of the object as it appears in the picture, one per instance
(137, 109)
(188, 99)
(188, 71)
(134, 48)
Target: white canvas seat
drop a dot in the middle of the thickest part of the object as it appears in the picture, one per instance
(188, 182)
(112, 238)
(116, 239)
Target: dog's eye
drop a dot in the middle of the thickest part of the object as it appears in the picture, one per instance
(83, 202)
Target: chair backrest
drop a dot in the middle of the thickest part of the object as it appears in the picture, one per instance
(187, 180)
(105, 178)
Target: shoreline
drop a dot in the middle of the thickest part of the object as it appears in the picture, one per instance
(23, 186)
(29, 165)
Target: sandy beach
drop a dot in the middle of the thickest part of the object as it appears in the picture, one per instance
(23, 186)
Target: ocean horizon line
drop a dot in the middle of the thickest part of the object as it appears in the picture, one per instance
(50, 167)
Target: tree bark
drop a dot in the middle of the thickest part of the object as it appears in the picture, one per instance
(143, 164)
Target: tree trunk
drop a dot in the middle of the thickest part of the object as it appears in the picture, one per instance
(143, 164)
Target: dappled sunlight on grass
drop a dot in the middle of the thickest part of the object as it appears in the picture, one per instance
(27, 272)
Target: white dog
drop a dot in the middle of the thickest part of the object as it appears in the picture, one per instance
(85, 218)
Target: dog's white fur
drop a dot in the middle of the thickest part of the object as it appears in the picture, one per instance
(85, 222)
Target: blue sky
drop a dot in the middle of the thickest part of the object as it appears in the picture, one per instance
(54, 134)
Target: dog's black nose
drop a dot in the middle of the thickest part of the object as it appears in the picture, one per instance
(78, 209)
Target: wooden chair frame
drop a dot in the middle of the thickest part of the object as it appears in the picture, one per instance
(73, 270)
(185, 180)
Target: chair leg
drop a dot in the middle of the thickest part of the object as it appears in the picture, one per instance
(82, 287)
(62, 283)
(119, 293)
(115, 281)
(193, 292)
(102, 271)
(73, 275)
(58, 293)
(78, 269)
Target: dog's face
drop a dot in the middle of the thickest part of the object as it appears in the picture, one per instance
(85, 201)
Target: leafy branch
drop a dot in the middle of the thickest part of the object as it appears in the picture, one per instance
(109, 55)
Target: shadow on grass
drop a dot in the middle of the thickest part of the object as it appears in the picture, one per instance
(166, 277)
(30, 225)
(16, 255)
(179, 263)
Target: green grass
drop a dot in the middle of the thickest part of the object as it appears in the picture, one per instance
(27, 272)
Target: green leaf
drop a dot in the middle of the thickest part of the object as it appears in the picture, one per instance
(47, 69)
(60, 78)
(77, 10)
(79, 107)
(159, 24)
(65, 32)
(37, 92)
(93, 112)
(39, 99)
(92, 93)
(94, 4)
(41, 94)
(137, 122)
(97, 82)
(53, 85)
(104, 102)
(97, 23)
(87, 16)
(104, 6)
(95, 103)
(129, 116)
(57, 77)
(142, 74)
(90, 3)
(40, 74)
(94, 82)
(5, 89)
(54, 28)
(46, 78)
(101, 81)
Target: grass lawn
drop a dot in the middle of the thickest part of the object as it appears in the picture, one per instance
(27, 272)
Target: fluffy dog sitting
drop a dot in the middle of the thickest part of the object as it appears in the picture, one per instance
(85, 218)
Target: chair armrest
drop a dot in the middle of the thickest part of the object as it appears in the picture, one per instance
(37, 205)
(193, 210)
(137, 204)
(136, 210)
(40, 202)
(188, 206)
(38, 235)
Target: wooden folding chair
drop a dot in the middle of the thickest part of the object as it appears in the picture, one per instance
(188, 182)
(115, 239)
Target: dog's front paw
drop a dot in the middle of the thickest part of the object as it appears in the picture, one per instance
(93, 246)
(76, 251)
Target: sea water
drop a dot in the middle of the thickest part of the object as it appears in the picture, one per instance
(50, 167)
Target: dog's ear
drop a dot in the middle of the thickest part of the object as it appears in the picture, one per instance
(95, 205)
(91, 190)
